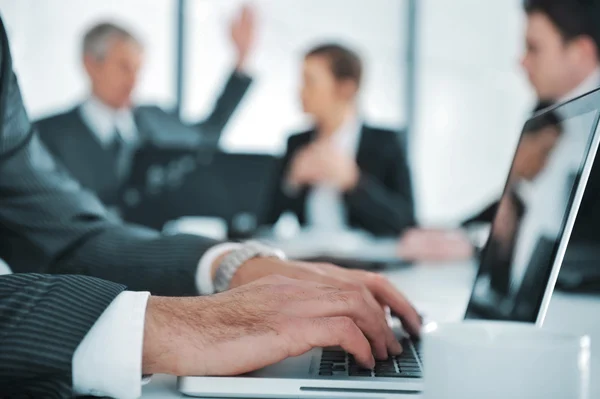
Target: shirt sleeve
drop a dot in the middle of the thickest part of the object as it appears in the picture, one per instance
(108, 362)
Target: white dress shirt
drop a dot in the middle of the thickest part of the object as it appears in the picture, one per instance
(105, 122)
(325, 209)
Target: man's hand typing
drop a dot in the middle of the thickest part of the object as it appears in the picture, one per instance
(377, 290)
(259, 324)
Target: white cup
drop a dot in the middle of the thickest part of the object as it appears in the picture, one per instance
(498, 360)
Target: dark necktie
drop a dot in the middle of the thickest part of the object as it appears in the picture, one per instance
(121, 152)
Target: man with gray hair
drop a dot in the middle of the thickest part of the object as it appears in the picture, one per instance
(96, 140)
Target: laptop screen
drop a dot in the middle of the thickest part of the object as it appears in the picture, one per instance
(531, 216)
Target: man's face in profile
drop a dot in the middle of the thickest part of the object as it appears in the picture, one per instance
(549, 60)
(114, 76)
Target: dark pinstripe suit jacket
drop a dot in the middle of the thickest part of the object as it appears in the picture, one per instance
(43, 319)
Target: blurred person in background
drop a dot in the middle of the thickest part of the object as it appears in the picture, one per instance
(562, 48)
(342, 173)
(562, 62)
(96, 140)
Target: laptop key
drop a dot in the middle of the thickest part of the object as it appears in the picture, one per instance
(410, 368)
(355, 370)
(385, 370)
(410, 374)
(407, 362)
(360, 375)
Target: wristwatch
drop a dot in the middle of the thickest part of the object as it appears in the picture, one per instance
(232, 262)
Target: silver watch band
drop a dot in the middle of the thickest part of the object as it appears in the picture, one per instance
(232, 262)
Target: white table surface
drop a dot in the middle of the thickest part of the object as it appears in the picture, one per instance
(442, 292)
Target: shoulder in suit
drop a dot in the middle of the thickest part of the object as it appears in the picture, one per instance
(78, 152)
(56, 128)
(375, 137)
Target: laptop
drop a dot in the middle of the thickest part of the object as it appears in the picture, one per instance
(518, 267)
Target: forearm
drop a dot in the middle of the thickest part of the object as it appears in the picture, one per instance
(140, 258)
(159, 356)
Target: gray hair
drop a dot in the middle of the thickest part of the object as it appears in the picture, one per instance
(97, 40)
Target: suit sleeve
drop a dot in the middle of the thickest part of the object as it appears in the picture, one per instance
(236, 87)
(48, 213)
(43, 319)
(385, 205)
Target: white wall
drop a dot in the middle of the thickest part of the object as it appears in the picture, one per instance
(46, 40)
(473, 100)
(286, 29)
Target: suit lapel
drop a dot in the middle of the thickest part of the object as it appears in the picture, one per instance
(366, 147)
(143, 127)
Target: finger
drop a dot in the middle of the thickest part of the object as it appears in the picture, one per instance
(386, 293)
(337, 331)
(391, 343)
(347, 304)
(318, 276)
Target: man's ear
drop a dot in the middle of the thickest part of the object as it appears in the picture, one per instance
(348, 89)
(586, 49)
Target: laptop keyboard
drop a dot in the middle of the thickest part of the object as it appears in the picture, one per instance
(336, 362)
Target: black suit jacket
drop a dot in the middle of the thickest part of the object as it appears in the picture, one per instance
(381, 203)
(77, 149)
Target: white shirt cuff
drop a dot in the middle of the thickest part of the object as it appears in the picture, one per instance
(204, 280)
(108, 362)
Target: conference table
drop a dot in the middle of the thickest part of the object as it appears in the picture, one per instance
(441, 292)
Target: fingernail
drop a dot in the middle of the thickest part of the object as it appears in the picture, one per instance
(372, 365)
